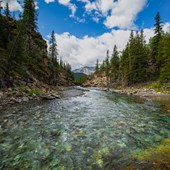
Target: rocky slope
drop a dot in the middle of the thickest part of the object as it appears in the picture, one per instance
(24, 58)
(96, 80)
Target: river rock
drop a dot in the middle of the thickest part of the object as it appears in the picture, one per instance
(49, 97)
(1, 94)
(25, 99)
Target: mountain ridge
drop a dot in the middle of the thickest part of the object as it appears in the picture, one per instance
(85, 70)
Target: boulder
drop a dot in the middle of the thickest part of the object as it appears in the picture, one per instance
(50, 97)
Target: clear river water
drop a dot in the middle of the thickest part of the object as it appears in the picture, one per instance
(96, 130)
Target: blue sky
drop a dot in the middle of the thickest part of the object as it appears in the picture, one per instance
(86, 29)
(55, 16)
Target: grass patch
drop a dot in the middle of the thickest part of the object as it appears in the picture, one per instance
(35, 91)
(159, 87)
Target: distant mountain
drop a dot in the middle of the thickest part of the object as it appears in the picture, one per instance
(78, 75)
(85, 70)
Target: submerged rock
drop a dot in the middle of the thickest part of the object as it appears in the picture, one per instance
(50, 97)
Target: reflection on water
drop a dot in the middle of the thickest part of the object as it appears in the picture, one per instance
(93, 131)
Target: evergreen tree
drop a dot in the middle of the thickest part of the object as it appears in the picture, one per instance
(115, 65)
(30, 15)
(7, 12)
(3, 32)
(29, 18)
(155, 44)
(53, 57)
(124, 66)
(164, 54)
(53, 47)
(107, 67)
(97, 66)
(1, 7)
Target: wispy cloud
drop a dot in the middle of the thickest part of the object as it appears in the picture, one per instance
(116, 13)
(66, 3)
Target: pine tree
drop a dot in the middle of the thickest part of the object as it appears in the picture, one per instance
(53, 47)
(30, 15)
(7, 12)
(124, 66)
(1, 7)
(137, 59)
(97, 66)
(53, 57)
(107, 67)
(155, 44)
(3, 32)
(164, 54)
(115, 65)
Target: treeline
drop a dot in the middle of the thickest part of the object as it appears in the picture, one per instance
(139, 62)
(23, 51)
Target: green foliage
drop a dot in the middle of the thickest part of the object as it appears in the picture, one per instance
(34, 91)
(155, 46)
(164, 58)
(97, 66)
(81, 79)
(24, 52)
(115, 65)
(140, 62)
(29, 15)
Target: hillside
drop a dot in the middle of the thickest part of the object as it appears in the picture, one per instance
(24, 58)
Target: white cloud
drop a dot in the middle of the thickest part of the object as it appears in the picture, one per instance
(49, 1)
(121, 13)
(116, 13)
(102, 6)
(73, 9)
(86, 50)
(36, 5)
(14, 5)
(64, 2)
(166, 27)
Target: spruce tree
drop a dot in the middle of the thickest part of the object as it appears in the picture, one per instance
(164, 54)
(53, 57)
(115, 65)
(97, 66)
(7, 12)
(30, 15)
(155, 44)
(124, 66)
(137, 59)
(107, 67)
(53, 47)
(1, 7)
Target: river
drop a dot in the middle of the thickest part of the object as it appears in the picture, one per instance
(95, 130)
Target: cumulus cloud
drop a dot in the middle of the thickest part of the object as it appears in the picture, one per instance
(14, 5)
(86, 50)
(119, 13)
(116, 13)
(123, 13)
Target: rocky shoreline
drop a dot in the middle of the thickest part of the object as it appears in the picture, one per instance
(31, 92)
(26, 93)
(142, 92)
